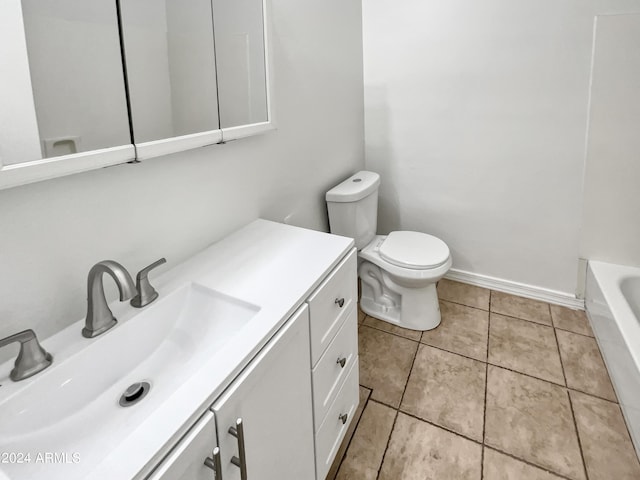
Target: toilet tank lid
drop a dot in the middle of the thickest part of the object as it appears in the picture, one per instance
(354, 188)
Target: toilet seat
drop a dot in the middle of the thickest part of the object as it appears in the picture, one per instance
(414, 250)
(371, 253)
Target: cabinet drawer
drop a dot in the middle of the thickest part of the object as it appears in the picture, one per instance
(332, 431)
(186, 460)
(330, 304)
(330, 372)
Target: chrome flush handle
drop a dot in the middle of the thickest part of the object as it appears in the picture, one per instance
(341, 361)
(339, 302)
(343, 418)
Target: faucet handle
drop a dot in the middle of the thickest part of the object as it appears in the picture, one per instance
(32, 358)
(146, 292)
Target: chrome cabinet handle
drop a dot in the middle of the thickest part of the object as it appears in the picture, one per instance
(340, 302)
(341, 361)
(241, 463)
(215, 464)
(146, 292)
(343, 417)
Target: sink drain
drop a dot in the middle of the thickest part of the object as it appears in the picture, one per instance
(134, 394)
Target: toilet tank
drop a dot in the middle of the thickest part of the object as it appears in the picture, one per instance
(353, 207)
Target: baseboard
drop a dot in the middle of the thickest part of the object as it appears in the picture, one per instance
(515, 288)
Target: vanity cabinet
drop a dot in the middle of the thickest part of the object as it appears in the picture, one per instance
(286, 413)
(333, 321)
(273, 399)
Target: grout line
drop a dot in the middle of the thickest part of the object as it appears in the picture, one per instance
(397, 410)
(441, 427)
(573, 415)
(393, 427)
(523, 319)
(575, 333)
(465, 305)
(531, 464)
(592, 395)
(486, 390)
(390, 333)
(406, 384)
(575, 425)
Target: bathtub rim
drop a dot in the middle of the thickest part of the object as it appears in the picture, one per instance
(609, 278)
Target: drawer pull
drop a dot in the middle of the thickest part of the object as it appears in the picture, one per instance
(241, 463)
(343, 418)
(214, 464)
(340, 302)
(342, 361)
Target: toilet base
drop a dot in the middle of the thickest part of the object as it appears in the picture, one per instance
(417, 309)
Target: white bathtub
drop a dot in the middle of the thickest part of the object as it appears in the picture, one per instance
(613, 306)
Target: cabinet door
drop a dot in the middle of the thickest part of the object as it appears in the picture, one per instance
(272, 396)
(186, 460)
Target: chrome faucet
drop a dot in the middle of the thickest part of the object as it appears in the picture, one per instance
(32, 358)
(99, 316)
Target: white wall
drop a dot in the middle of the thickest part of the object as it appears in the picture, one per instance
(52, 232)
(475, 116)
(611, 216)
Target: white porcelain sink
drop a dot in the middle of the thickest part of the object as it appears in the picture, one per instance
(76, 400)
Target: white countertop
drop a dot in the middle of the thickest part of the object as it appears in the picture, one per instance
(268, 264)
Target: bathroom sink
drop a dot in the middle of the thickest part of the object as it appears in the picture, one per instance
(77, 399)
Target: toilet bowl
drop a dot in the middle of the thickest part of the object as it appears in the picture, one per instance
(398, 271)
(401, 288)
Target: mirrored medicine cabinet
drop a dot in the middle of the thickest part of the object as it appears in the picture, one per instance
(88, 84)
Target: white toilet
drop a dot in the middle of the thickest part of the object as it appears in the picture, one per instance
(399, 271)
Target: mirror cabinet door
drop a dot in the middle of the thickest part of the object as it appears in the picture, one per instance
(73, 47)
(171, 70)
(239, 27)
(64, 107)
(85, 80)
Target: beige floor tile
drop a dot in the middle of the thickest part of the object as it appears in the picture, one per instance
(447, 389)
(463, 293)
(463, 330)
(531, 419)
(583, 365)
(571, 320)
(364, 397)
(520, 307)
(419, 451)
(369, 443)
(498, 466)
(391, 328)
(525, 347)
(608, 451)
(361, 315)
(385, 362)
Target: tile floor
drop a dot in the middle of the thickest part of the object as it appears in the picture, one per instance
(506, 388)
